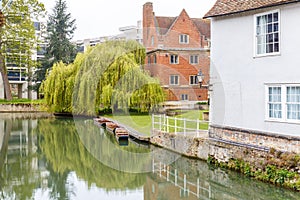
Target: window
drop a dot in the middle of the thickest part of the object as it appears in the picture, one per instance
(174, 80)
(194, 80)
(194, 59)
(154, 59)
(275, 109)
(37, 26)
(152, 40)
(267, 33)
(293, 103)
(183, 39)
(149, 60)
(283, 103)
(184, 97)
(173, 59)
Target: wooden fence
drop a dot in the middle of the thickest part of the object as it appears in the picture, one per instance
(175, 125)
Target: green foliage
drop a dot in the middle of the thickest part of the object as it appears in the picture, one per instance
(21, 101)
(106, 77)
(270, 173)
(17, 36)
(60, 30)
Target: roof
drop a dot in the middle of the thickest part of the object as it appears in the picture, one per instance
(165, 23)
(227, 7)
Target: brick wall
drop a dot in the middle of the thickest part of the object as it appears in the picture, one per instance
(161, 44)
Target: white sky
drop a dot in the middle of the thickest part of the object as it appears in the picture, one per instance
(95, 18)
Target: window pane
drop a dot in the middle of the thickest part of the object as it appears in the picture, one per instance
(275, 27)
(270, 38)
(270, 48)
(270, 18)
(275, 17)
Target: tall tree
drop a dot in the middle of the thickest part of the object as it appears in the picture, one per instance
(60, 28)
(17, 37)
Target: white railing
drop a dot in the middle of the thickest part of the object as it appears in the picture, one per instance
(200, 189)
(175, 125)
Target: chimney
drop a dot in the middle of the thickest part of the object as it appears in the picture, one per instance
(147, 19)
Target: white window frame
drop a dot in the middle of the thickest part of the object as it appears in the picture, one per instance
(194, 58)
(194, 80)
(184, 97)
(152, 40)
(284, 103)
(176, 60)
(256, 53)
(171, 78)
(184, 39)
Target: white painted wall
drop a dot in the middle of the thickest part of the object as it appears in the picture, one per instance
(238, 78)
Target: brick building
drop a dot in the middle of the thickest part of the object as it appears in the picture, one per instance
(177, 49)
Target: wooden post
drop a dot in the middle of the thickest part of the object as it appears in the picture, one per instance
(160, 123)
(175, 177)
(168, 174)
(198, 187)
(164, 122)
(184, 183)
(175, 119)
(159, 169)
(198, 127)
(153, 166)
(184, 126)
(153, 121)
(168, 129)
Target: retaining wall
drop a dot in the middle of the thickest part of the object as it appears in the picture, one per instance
(186, 145)
(19, 108)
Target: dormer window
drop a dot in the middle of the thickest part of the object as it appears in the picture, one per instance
(267, 33)
(183, 39)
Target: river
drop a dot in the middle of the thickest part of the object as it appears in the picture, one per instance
(48, 158)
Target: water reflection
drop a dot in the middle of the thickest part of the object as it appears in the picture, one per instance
(47, 159)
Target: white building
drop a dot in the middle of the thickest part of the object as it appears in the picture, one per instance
(255, 73)
(128, 33)
(17, 75)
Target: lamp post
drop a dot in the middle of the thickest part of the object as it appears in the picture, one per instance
(200, 77)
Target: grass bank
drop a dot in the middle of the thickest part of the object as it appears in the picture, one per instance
(22, 101)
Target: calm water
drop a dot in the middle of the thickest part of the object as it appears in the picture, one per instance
(74, 159)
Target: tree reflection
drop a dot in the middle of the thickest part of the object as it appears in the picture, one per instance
(65, 152)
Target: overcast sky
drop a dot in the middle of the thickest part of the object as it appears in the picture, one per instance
(95, 18)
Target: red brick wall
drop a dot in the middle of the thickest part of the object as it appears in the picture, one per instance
(163, 68)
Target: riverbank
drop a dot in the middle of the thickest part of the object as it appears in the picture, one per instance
(266, 164)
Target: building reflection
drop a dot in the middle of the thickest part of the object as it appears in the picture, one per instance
(167, 182)
(21, 168)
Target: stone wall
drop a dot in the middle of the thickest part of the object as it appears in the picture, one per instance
(19, 108)
(186, 145)
(256, 139)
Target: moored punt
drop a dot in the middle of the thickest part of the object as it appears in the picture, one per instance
(124, 132)
(120, 133)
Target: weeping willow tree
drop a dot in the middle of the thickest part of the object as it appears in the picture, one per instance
(107, 76)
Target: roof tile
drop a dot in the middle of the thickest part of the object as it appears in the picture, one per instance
(226, 7)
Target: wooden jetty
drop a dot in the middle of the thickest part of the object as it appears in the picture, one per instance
(120, 131)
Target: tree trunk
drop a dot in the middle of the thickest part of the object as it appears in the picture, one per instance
(6, 85)
(29, 87)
